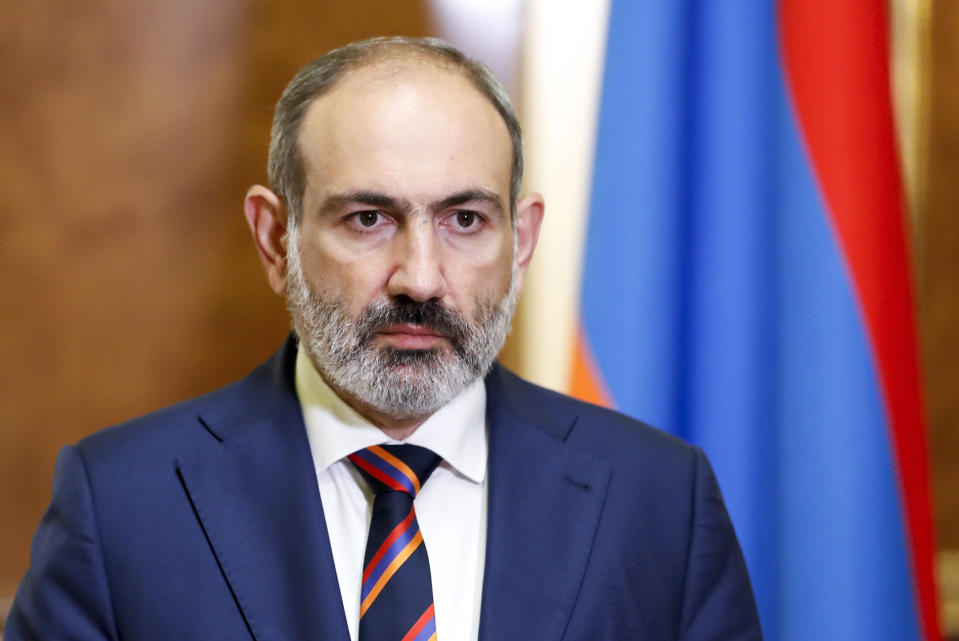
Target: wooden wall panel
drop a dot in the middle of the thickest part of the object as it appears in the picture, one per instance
(938, 252)
(129, 131)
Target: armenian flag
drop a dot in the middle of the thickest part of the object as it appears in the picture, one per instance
(747, 286)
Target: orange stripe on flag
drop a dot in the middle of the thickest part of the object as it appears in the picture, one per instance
(586, 383)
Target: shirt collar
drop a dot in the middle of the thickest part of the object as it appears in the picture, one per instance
(456, 431)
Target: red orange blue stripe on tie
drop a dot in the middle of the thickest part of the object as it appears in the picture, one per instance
(424, 629)
(388, 560)
(387, 469)
(397, 532)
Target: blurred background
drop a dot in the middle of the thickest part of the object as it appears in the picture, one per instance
(130, 130)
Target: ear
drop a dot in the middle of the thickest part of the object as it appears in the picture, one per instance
(529, 217)
(267, 218)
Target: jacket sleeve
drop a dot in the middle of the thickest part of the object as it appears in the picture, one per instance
(718, 602)
(64, 594)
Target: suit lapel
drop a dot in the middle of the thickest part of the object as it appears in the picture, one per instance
(253, 488)
(254, 491)
(545, 500)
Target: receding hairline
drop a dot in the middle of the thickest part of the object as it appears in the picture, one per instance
(383, 72)
(399, 58)
(398, 53)
(377, 70)
(390, 54)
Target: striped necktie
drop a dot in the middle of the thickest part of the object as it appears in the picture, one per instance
(396, 600)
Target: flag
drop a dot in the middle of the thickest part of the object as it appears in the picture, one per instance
(747, 287)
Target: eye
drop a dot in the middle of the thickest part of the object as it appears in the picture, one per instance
(367, 220)
(465, 222)
(465, 219)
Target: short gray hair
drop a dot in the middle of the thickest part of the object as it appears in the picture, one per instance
(285, 167)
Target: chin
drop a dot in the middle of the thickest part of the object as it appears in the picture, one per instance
(411, 358)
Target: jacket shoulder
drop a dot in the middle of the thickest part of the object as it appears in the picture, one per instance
(151, 431)
(196, 421)
(601, 431)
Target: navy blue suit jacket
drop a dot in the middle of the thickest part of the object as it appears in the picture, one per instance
(204, 521)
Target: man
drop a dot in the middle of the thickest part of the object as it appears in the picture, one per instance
(394, 229)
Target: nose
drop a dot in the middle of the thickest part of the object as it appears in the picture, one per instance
(418, 272)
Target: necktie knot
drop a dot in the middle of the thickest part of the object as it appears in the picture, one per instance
(395, 468)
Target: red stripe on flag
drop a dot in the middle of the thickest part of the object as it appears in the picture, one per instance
(836, 60)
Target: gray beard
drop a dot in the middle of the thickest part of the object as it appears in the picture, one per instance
(400, 383)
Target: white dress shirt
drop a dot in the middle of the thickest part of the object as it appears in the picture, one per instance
(450, 508)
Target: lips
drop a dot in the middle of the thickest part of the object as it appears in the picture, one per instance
(412, 336)
(404, 324)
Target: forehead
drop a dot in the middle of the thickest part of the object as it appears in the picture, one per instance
(405, 126)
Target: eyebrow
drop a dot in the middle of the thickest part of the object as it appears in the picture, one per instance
(385, 201)
(474, 195)
(370, 198)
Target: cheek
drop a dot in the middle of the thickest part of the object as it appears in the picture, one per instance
(335, 273)
(474, 280)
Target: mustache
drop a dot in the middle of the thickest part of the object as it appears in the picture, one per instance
(401, 310)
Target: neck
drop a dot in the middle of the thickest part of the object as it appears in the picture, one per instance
(397, 429)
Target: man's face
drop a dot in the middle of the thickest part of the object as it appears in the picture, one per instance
(401, 278)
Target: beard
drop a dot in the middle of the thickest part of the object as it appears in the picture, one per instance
(401, 383)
